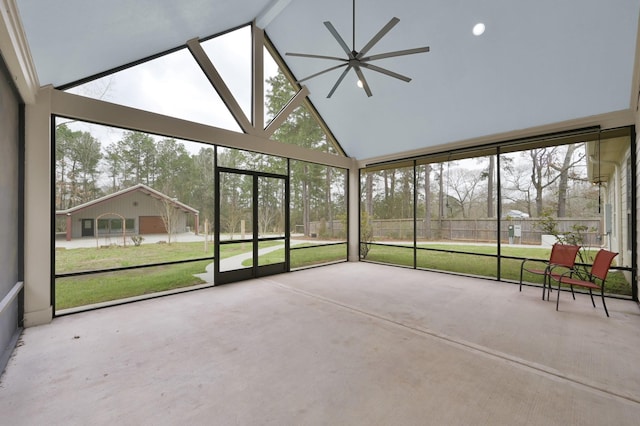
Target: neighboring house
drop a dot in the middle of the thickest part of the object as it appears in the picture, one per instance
(139, 209)
(610, 168)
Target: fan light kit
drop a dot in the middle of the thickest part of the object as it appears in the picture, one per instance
(478, 29)
(357, 60)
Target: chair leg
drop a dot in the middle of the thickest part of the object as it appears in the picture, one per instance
(592, 302)
(558, 297)
(547, 281)
(606, 311)
(520, 278)
(548, 278)
(572, 293)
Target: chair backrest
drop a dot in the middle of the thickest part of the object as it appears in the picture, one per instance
(563, 255)
(602, 263)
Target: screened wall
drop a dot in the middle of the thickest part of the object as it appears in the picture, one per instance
(148, 203)
(481, 212)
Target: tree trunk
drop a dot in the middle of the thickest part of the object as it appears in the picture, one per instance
(563, 184)
(536, 177)
(427, 201)
(369, 195)
(490, 206)
(441, 193)
(329, 202)
(305, 201)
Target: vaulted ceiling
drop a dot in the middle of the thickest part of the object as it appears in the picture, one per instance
(539, 63)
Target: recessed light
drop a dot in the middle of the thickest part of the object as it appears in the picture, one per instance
(478, 29)
(359, 84)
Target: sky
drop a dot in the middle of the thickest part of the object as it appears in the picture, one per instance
(175, 85)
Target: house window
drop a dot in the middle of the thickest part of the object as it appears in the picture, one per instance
(114, 226)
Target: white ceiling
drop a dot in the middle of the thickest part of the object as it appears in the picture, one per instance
(539, 62)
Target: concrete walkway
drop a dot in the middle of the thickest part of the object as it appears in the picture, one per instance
(235, 262)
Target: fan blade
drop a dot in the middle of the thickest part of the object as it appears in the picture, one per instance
(385, 71)
(365, 85)
(341, 42)
(306, 55)
(335, 86)
(376, 38)
(321, 72)
(396, 53)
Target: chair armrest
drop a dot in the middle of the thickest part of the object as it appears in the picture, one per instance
(554, 266)
(544, 262)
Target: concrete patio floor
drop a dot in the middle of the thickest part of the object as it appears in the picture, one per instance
(352, 343)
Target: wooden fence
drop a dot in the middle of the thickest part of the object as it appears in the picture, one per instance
(469, 230)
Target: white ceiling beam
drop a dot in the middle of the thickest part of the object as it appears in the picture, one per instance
(109, 114)
(634, 102)
(258, 76)
(221, 87)
(16, 53)
(294, 103)
(270, 12)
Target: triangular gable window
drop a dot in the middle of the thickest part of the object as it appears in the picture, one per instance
(278, 90)
(172, 85)
(301, 128)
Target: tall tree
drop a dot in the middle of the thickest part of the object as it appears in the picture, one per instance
(77, 158)
(549, 167)
(565, 168)
(490, 176)
(86, 154)
(427, 200)
(203, 181)
(137, 151)
(464, 184)
(113, 165)
(64, 140)
(172, 166)
(300, 128)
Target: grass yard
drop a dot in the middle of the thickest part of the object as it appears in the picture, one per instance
(95, 288)
(308, 255)
(90, 259)
(318, 255)
(305, 255)
(475, 264)
(89, 289)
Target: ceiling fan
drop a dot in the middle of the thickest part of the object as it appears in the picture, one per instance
(357, 60)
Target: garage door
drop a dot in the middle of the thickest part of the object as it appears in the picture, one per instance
(152, 225)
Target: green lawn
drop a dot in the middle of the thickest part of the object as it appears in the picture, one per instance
(483, 266)
(88, 259)
(309, 256)
(306, 255)
(95, 288)
(88, 289)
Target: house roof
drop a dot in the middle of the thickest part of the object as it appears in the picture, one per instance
(139, 188)
(539, 65)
